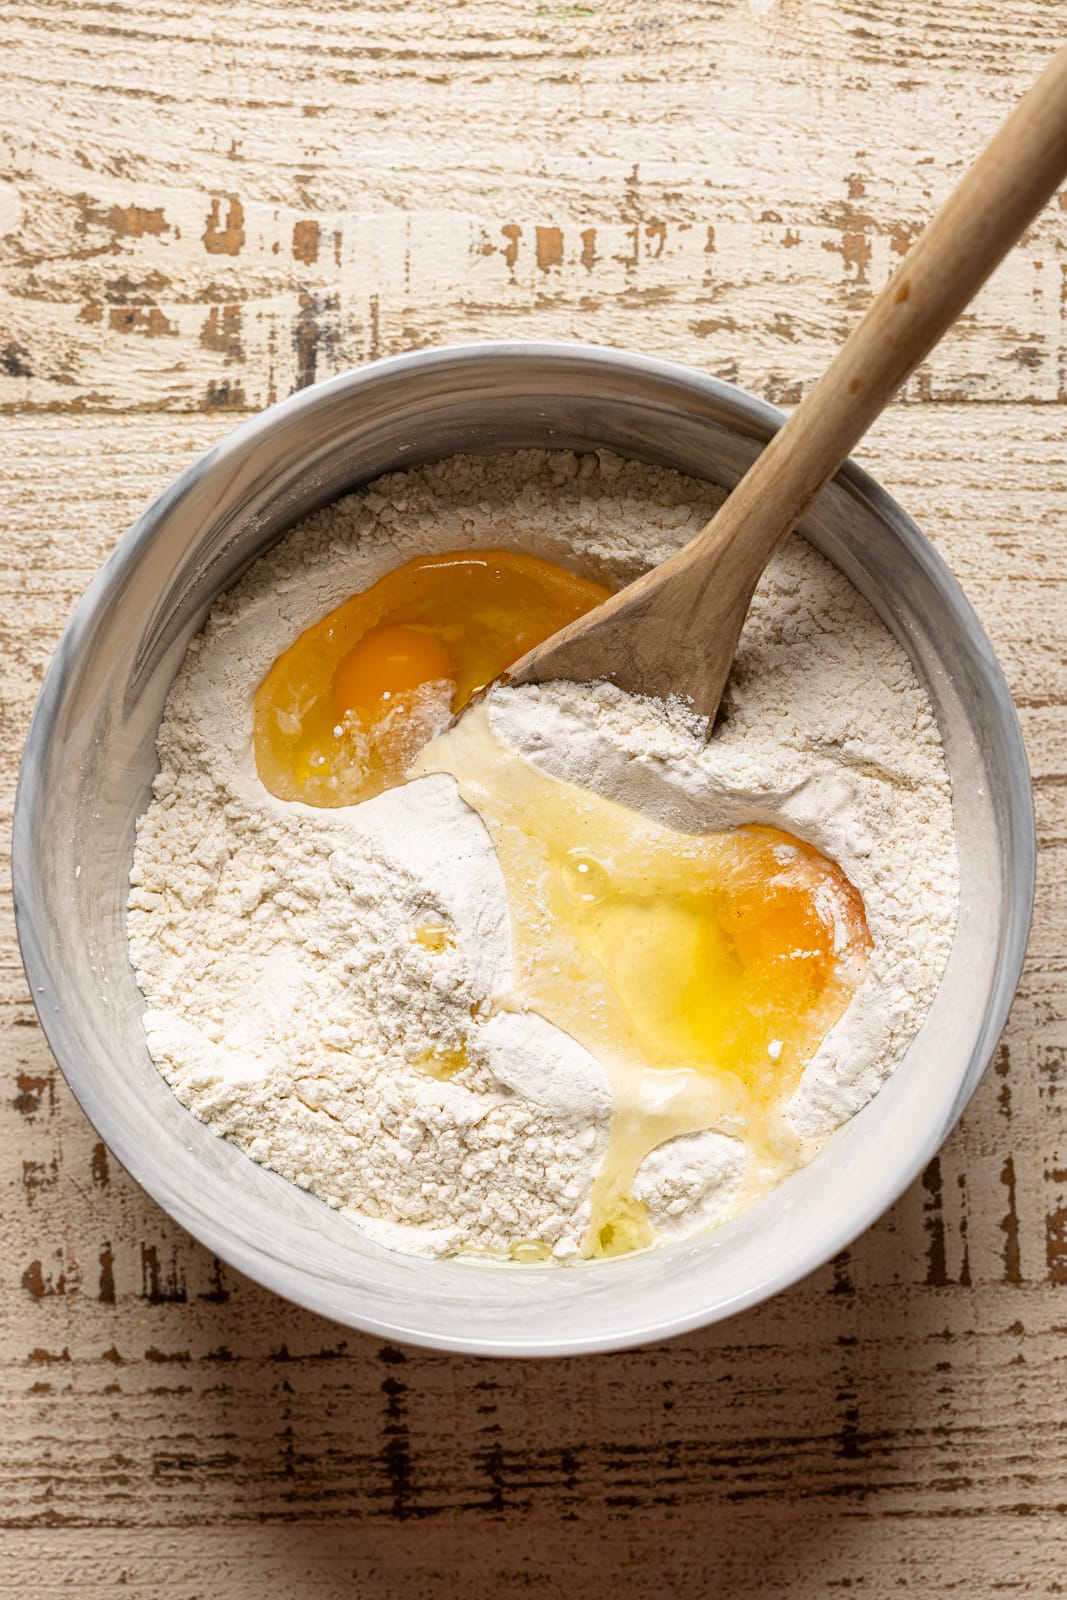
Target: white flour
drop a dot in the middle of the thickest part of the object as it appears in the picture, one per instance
(291, 1004)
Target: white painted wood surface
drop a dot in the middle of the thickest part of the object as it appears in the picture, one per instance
(206, 204)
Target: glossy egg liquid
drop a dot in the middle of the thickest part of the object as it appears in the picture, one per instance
(702, 970)
(343, 712)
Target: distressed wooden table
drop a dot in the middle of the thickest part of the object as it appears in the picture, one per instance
(205, 205)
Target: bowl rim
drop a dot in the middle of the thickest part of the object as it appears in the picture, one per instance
(746, 412)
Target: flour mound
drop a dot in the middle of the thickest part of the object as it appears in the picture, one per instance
(290, 1001)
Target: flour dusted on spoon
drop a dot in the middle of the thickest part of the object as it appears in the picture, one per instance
(322, 986)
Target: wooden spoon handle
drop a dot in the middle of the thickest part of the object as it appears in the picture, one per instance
(978, 223)
(676, 629)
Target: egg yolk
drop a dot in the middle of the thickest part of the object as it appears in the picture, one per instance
(389, 661)
(344, 711)
(347, 708)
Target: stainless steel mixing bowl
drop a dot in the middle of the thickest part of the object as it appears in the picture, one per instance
(90, 759)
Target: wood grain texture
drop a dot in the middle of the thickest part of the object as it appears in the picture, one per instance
(205, 205)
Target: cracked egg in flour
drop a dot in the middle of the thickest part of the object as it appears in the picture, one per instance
(701, 970)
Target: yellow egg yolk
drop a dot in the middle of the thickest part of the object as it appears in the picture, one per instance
(343, 712)
(388, 661)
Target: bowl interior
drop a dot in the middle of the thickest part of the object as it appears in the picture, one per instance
(91, 757)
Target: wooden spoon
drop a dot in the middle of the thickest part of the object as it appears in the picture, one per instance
(675, 630)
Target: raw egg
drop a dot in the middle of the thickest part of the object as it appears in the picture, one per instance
(345, 709)
(702, 970)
